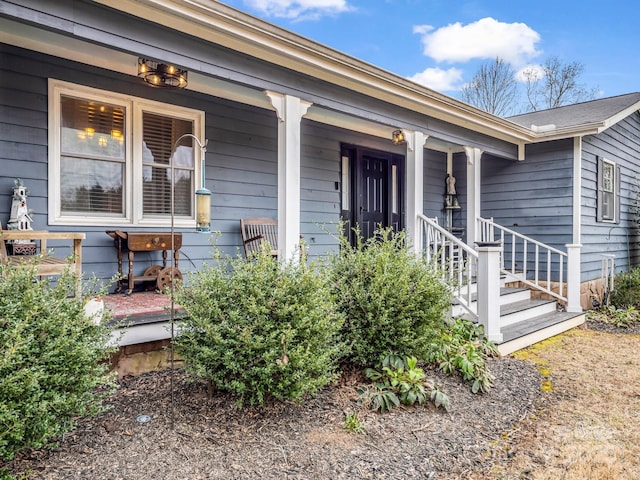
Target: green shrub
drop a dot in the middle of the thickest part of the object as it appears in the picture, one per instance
(260, 328)
(620, 317)
(462, 348)
(626, 292)
(391, 299)
(52, 361)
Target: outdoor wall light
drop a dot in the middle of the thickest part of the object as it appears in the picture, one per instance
(161, 75)
(398, 137)
(203, 194)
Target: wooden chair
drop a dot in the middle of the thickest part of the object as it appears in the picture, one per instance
(45, 264)
(260, 231)
(257, 232)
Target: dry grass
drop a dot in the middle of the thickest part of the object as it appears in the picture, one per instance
(589, 428)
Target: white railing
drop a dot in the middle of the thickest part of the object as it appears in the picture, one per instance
(524, 259)
(456, 260)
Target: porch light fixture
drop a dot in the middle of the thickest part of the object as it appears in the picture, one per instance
(203, 194)
(397, 137)
(161, 75)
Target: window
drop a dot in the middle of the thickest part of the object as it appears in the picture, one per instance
(111, 159)
(608, 208)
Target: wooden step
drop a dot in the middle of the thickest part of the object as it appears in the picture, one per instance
(507, 295)
(516, 312)
(533, 330)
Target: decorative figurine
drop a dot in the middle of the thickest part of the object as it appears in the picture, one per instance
(451, 184)
(20, 219)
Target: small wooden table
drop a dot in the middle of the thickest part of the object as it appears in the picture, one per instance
(146, 242)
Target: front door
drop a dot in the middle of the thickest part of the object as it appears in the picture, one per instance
(374, 194)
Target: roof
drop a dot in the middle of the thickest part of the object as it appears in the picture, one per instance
(597, 114)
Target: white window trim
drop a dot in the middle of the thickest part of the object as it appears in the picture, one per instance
(134, 106)
(615, 194)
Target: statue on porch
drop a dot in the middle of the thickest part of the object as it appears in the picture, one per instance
(451, 184)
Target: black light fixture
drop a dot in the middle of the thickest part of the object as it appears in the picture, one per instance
(398, 137)
(161, 75)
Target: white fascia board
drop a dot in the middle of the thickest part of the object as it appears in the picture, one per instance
(231, 28)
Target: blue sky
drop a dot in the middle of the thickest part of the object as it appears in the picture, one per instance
(441, 43)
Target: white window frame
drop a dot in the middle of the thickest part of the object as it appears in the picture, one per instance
(614, 194)
(134, 108)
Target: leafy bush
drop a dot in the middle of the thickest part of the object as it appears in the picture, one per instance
(260, 327)
(462, 348)
(400, 382)
(392, 300)
(52, 361)
(619, 317)
(627, 289)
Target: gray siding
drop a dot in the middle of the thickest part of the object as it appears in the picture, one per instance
(102, 25)
(619, 144)
(534, 196)
(241, 161)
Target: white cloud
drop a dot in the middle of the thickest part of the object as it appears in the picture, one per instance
(439, 79)
(299, 9)
(532, 70)
(485, 39)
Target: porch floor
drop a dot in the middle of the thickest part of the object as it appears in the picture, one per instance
(140, 308)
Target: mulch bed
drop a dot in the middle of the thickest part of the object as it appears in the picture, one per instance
(190, 436)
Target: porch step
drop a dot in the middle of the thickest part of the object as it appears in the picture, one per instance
(508, 295)
(533, 330)
(523, 310)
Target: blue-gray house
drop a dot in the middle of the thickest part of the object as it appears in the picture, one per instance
(307, 135)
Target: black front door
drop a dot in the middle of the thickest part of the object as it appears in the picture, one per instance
(376, 189)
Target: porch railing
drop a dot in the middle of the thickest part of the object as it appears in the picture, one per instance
(453, 258)
(526, 260)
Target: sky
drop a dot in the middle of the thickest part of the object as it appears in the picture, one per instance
(442, 43)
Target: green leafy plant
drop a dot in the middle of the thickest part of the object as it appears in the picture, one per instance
(352, 423)
(400, 382)
(627, 289)
(392, 301)
(619, 317)
(463, 348)
(53, 366)
(260, 327)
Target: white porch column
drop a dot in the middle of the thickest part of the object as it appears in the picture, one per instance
(473, 192)
(489, 291)
(290, 111)
(573, 278)
(415, 185)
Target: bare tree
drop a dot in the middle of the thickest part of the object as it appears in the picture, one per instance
(555, 84)
(493, 88)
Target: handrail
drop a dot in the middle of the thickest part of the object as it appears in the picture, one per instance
(453, 258)
(529, 258)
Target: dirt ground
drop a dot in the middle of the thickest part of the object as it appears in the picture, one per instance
(565, 409)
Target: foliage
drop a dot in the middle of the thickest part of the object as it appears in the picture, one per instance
(400, 382)
(52, 360)
(260, 328)
(627, 289)
(352, 423)
(392, 301)
(554, 84)
(623, 317)
(493, 89)
(462, 348)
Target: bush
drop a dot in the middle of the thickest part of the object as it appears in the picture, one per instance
(52, 360)
(260, 328)
(626, 292)
(392, 301)
(462, 348)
